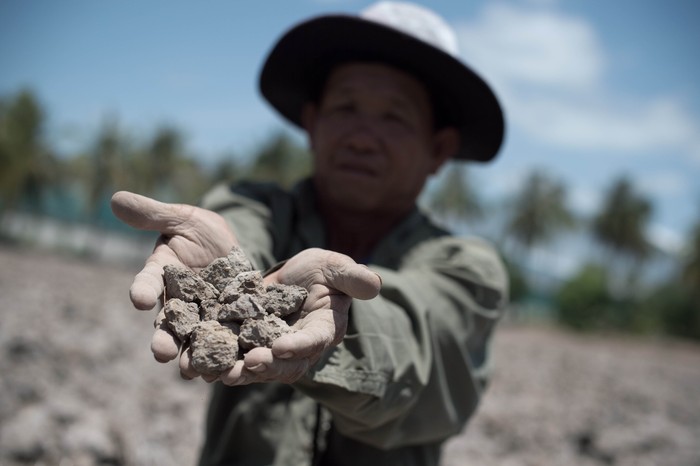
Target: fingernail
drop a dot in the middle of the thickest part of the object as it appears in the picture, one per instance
(287, 355)
(258, 368)
(381, 282)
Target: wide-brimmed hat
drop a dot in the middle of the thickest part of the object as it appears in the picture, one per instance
(403, 35)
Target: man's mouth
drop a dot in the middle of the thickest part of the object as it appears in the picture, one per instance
(358, 169)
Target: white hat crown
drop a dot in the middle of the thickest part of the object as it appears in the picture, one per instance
(415, 21)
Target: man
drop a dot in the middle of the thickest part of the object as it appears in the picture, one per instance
(371, 376)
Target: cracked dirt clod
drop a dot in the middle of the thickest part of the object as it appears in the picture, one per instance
(242, 284)
(181, 317)
(220, 271)
(245, 307)
(214, 348)
(184, 284)
(262, 332)
(282, 300)
(209, 309)
(226, 310)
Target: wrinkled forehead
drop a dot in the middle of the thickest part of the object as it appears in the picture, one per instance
(367, 76)
(379, 78)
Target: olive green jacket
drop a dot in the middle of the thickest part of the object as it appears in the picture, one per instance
(411, 368)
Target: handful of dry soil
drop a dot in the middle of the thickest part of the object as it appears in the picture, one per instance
(225, 310)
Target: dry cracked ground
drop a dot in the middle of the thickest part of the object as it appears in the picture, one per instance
(78, 385)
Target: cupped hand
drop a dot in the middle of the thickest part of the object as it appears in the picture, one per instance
(194, 237)
(189, 236)
(332, 280)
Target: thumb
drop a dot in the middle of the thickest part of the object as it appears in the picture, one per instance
(145, 213)
(339, 272)
(357, 280)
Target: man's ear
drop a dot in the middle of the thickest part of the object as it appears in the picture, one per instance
(445, 146)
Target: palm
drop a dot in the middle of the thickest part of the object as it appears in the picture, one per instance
(323, 274)
(189, 236)
(197, 248)
(332, 281)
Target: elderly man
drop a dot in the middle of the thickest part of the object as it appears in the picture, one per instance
(391, 359)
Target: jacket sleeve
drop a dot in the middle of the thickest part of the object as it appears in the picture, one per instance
(248, 208)
(414, 362)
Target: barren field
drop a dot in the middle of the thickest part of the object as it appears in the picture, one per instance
(80, 387)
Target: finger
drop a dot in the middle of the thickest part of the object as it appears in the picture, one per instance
(356, 280)
(187, 371)
(234, 376)
(147, 287)
(257, 356)
(164, 345)
(148, 283)
(266, 368)
(189, 226)
(148, 214)
(334, 270)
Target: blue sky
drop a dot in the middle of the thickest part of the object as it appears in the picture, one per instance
(592, 89)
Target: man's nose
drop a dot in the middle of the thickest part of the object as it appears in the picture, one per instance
(362, 136)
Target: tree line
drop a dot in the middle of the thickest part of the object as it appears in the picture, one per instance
(605, 291)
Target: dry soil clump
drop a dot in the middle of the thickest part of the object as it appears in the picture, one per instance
(226, 309)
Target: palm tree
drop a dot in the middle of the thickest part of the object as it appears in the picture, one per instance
(538, 212)
(226, 170)
(106, 169)
(161, 168)
(690, 271)
(280, 160)
(620, 227)
(161, 159)
(27, 165)
(454, 201)
(675, 304)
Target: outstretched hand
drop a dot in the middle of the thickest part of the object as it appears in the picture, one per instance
(189, 236)
(332, 280)
(194, 237)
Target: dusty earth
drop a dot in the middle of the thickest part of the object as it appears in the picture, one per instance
(224, 310)
(78, 385)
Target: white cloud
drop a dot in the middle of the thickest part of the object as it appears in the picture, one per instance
(585, 199)
(548, 69)
(514, 45)
(575, 123)
(666, 239)
(334, 2)
(543, 2)
(664, 183)
(504, 182)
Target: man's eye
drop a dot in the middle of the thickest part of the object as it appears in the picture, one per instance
(394, 117)
(345, 107)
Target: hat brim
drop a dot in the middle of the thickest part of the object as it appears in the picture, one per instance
(290, 73)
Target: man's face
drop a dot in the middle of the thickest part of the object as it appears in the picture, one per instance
(373, 139)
